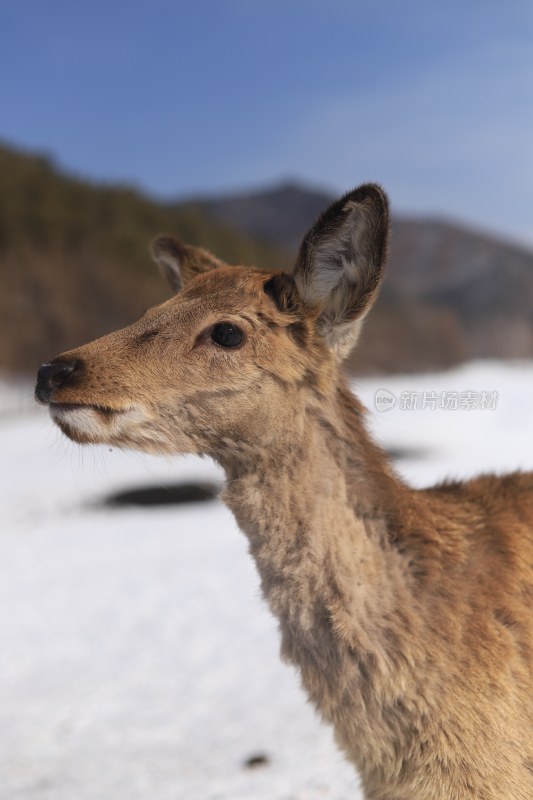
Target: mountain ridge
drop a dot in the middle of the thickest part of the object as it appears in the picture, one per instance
(468, 292)
(74, 259)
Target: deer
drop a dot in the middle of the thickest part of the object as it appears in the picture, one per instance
(407, 612)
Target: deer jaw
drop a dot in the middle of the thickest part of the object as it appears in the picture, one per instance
(163, 385)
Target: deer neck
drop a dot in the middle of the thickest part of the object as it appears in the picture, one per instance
(323, 514)
(317, 507)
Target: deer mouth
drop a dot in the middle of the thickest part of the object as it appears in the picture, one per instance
(105, 411)
(90, 423)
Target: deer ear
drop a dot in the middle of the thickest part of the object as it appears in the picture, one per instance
(340, 264)
(180, 263)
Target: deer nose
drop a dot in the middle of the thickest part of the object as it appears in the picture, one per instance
(51, 377)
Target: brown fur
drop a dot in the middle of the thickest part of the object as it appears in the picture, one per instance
(408, 613)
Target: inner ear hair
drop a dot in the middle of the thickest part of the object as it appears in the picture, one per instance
(340, 264)
(345, 249)
(179, 262)
(170, 255)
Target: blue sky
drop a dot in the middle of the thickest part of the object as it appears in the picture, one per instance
(433, 100)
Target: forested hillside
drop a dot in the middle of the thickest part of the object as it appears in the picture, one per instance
(74, 256)
(74, 263)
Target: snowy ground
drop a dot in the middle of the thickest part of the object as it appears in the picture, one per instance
(138, 660)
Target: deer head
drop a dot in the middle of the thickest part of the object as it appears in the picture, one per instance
(229, 359)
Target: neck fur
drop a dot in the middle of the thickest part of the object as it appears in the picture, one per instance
(322, 513)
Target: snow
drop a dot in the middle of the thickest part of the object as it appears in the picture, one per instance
(138, 659)
(458, 443)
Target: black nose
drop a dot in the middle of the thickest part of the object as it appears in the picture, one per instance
(51, 377)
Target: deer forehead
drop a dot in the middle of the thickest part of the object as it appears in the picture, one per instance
(218, 296)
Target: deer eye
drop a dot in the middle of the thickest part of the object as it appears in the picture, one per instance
(226, 335)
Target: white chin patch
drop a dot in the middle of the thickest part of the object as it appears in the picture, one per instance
(93, 425)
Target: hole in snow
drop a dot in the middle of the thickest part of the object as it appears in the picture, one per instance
(408, 453)
(257, 760)
(173, 494)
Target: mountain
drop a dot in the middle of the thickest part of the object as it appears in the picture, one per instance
(74, 264)
(281, 214)
(449, 293)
